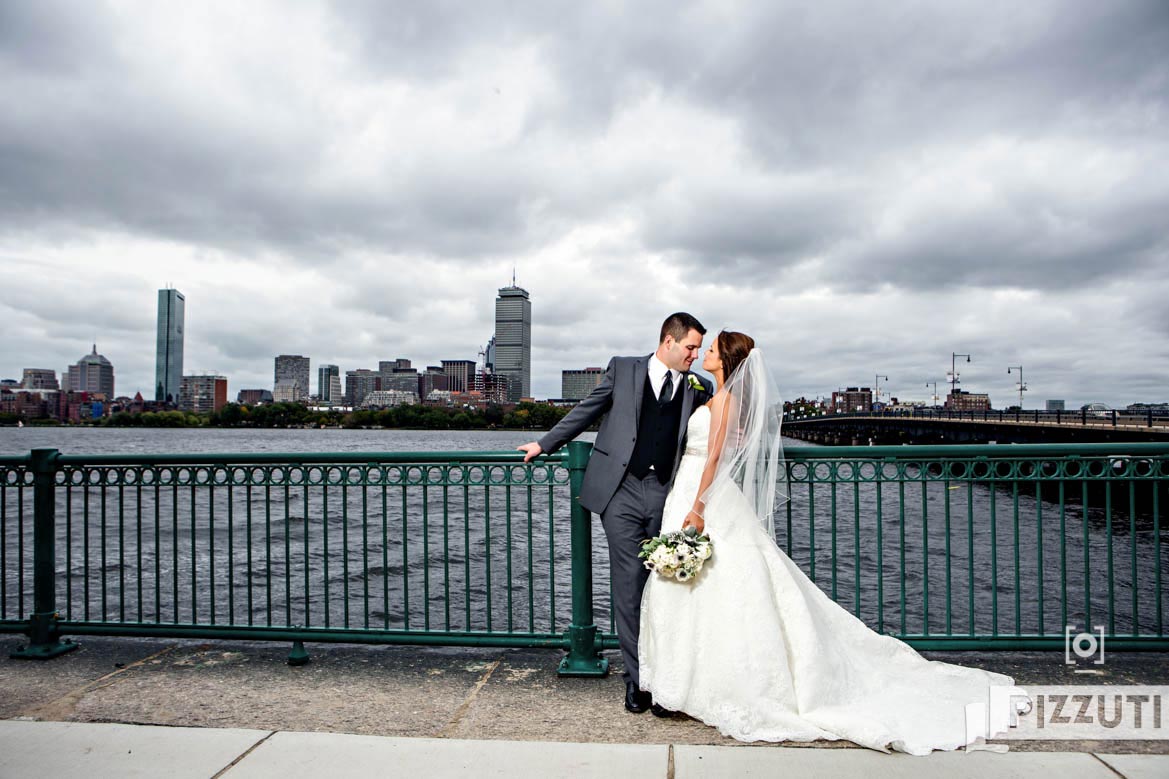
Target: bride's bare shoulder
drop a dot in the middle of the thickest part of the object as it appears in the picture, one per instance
(716, 400)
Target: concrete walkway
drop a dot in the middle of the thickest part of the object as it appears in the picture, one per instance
(65, 750)
(152, 707)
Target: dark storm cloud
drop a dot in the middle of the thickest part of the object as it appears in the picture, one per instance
(877, 158)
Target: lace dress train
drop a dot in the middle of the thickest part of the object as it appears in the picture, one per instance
(754, 648)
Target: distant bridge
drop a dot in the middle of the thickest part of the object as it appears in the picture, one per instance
(926, 426)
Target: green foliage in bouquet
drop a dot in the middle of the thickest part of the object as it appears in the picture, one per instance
(677, 555)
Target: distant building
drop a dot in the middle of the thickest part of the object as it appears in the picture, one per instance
(325, 373)
(1156, 409)
(292, 371)
(203, 394)
(388, 398)
(40, 378)
(288, 392)
(336, 395)
(459, 373)
(438, 397)
(492, 387)
(577, 384)
(93, 373)
(253, 397)
(1054, 405)
(489, 356)
(961, 400)
(852, 399)
(433, 378)
(398, 375)
(168, 355)
(358, 384)
(513, 340)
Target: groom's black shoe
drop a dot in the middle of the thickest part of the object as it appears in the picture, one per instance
(636, 701)
(661, 711)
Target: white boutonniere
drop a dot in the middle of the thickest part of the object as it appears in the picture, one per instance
(694, 382)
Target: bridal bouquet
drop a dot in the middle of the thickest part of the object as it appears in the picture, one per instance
(677, 555)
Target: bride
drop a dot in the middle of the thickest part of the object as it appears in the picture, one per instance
(752, 646)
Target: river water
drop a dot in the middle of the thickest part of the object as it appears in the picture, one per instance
(462, 556)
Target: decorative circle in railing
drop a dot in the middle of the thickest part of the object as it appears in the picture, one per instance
(477, 474)
(496, 474)
(1004, 469)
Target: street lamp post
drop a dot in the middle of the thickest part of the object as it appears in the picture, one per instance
(954, 370)
(1022, 387)
(934, 384)
(877, 387)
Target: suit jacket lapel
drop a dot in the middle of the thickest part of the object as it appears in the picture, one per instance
(687, 405)
(640, 374)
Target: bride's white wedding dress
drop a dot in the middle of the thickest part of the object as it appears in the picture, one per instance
(754, 648)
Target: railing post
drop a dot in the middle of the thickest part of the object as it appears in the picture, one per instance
(43, 632)
(584, 657)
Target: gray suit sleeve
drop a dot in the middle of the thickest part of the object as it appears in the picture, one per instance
(585, 414)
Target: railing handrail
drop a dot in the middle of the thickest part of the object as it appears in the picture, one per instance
(990, 451)
(306, 458)
(795, 453)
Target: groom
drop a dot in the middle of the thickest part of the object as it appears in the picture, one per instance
(643, 404)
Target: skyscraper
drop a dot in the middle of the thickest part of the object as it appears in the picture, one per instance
(324, 375)
(168, 360)
(94, 374)
(459, 373)
(513, 340)
(292, 372)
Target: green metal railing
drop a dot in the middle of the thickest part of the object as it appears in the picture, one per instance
(947, 547)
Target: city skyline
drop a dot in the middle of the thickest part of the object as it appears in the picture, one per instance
(977, 178)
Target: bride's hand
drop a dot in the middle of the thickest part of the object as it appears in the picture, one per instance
(695, 521)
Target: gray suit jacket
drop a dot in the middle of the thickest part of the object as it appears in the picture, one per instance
(618, 400)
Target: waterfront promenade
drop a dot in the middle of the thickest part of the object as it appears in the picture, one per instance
(237, 709)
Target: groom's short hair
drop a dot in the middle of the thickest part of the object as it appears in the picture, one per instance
(678, 325)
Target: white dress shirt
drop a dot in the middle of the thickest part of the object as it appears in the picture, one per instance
(657, 374)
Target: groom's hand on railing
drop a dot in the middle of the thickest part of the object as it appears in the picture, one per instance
(530, 450)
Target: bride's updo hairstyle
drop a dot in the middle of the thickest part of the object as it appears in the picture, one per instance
(733, 348)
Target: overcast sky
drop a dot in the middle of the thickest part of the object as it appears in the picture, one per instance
(864, 187)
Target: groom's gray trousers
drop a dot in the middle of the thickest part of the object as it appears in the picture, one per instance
(633, 515)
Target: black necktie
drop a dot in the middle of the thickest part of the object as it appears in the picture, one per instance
(667, 392)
